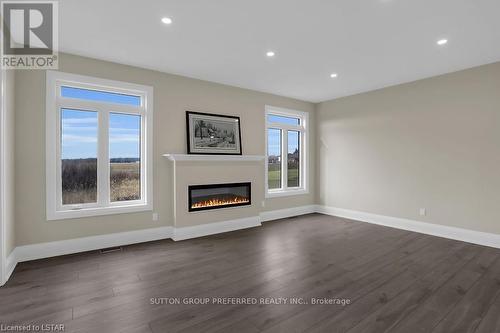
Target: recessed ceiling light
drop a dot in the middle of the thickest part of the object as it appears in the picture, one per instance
(442, 42)
(333, 75)
(270, 54)
(166, 20)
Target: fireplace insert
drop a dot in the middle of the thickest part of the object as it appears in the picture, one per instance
(214, 196)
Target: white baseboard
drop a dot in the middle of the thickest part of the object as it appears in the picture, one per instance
(58, 248)
(288, 212)
(11, 265)
(70, 246)
(465, 235)
(215, 228)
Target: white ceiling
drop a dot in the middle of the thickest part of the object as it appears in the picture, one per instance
(370, 43)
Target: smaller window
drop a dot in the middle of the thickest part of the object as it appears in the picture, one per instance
(100, 96)
(286, 171)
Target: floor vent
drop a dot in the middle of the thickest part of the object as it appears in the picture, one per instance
(111, 249)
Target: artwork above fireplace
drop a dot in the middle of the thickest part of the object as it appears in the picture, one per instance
(215, 196)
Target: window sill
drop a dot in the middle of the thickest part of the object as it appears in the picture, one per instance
(88, 212)
(286, 193)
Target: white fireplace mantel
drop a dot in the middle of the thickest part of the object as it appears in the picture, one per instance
(215, 158)
(214, 169)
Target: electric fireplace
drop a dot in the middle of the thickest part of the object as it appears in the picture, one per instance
(214, 196)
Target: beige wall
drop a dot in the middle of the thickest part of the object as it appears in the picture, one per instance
(173, 95)
(9, 163)
(433, 143)
(428, 144)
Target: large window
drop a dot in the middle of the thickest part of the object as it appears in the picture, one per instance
(98, 146)
(286, 167)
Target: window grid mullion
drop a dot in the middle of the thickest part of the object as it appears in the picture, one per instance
(284, 159)
(74, 103)
(287, 127)
(303, 161)
(299, 166)
(142, 155)
(103, 191)
(58, 162)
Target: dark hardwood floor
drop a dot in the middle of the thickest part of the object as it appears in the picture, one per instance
(395, 281)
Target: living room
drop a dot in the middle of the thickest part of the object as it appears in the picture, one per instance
(279, 166)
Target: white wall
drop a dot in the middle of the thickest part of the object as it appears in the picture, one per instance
(431, 144)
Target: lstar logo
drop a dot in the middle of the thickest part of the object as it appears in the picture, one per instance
(29, 34)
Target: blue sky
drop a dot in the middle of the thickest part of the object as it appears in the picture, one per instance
(79, 134)
(274, 141)
(100, 96)
(124, 135)
(79, 128)
(283, 120)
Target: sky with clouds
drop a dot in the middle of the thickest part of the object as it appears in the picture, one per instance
(274, 135)
(80, 128)
(79, 134)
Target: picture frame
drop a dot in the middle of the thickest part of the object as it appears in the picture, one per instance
(213, 134)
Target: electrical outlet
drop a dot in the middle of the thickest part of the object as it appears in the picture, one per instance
(155, 216)
(263, 203)
(423, 212)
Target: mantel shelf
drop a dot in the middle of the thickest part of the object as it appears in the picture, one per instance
(215, 158)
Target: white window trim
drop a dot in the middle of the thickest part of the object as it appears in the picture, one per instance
(3, 110)
(54, 80)
(304, 151)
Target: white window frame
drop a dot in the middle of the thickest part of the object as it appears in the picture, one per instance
(304, 152)
(54, 103)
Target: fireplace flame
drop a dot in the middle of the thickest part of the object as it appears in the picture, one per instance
(220, 202)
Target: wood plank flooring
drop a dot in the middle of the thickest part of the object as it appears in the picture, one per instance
(395, 281)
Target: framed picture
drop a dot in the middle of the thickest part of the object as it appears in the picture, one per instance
(213, 134)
